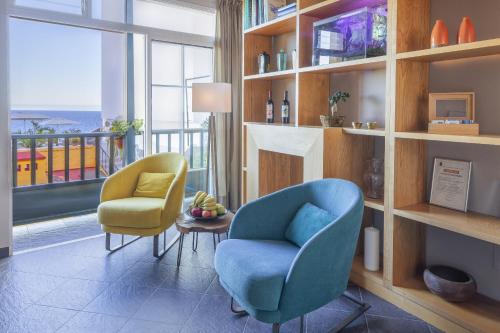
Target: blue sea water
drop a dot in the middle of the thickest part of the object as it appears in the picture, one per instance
(86, 121)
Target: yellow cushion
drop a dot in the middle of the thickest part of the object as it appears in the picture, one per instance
(153, 185)
(133, 212)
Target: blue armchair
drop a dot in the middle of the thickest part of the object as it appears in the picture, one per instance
(275, 280)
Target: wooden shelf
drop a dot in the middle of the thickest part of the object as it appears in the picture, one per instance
(480, 314)
(278, 26)
(453, 52)
(365, 131)
(288, 74)
(483, 139)
(483, 227)
(359, 268)
(329, 8)
(377, 204)
(348, 66)
(268, 124)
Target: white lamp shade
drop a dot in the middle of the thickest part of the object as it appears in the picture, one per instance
(212, 97)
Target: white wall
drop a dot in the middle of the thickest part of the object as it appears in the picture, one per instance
(5, 170)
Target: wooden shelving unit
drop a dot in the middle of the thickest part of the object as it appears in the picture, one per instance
(405, 210)
(471, 224)
(454, 52)
(482, 139)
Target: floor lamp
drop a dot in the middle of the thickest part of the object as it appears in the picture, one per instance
(212, 98)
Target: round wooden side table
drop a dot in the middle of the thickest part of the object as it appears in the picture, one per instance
(186, 224)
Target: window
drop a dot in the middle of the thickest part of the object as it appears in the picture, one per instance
(169, 16)
(109, 10)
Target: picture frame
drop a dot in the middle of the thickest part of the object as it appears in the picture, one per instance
(452, 106)
(450, 183)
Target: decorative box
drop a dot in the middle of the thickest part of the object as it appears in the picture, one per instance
(356, 34)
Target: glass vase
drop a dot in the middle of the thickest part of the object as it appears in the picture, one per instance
(374, 178)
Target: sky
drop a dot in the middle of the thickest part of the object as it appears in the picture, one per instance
(54, 67)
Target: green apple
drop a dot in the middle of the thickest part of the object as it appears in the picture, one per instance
(220, 209)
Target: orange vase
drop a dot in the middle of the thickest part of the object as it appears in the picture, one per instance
(466, 32)
(439, 36)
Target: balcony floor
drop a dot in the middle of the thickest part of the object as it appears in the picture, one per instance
(46, 233)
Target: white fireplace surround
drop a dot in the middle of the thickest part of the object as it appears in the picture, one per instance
(306, 142)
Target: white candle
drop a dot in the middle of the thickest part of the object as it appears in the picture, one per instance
(372, 248)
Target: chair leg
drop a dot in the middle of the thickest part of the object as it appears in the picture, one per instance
(156, 245)
(276, 328)
(179, 251)
(237, 310)
(123, 244)
(362, 308)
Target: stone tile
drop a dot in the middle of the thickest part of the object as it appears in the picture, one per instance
(213, 314)
(215, 288)
(30, 287)
(380, 307)
(74, 294)
(378, 324)
(85, 322)
(40, 319)
(147, 275)
(107, 269)
(255, 326)
(325, 319)
(120, 300)
(188, 278)
(169, 306)
(136, 326)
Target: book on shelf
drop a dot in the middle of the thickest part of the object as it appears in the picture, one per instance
(284, 10)
(261, 11)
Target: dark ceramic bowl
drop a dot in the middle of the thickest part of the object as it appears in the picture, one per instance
(450, 283)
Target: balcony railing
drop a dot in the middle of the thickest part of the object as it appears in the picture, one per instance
(52, 159)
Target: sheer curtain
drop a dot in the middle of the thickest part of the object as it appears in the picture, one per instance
(228, 48)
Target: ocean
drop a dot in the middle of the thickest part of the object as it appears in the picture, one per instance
(85, 121)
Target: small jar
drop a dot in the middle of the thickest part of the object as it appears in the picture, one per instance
(281, 59)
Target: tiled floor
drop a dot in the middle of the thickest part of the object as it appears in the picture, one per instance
(79, 287)
(55, 231)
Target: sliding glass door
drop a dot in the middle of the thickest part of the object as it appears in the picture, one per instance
(175, 128)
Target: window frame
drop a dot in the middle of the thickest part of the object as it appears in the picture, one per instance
(150, 34)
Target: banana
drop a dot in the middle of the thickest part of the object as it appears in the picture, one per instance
(196, 196)
(209, 207)
(200, 199)
(209, 200)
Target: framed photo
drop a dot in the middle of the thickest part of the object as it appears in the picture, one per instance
(451, 106)
(450, 183)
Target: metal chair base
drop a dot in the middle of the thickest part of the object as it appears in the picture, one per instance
(156, 245)
(237, 310)
(123, 244)
(358, 312)
(362, 308)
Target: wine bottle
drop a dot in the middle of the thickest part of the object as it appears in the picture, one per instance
(270, 109)
(285, 109)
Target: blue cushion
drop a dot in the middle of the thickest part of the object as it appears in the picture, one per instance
(255, 270)
(308, 220)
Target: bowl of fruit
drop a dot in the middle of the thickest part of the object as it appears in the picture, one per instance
(205, 207)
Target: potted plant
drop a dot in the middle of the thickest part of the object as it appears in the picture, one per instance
(119, 127)
(136, 125)
(334, 119)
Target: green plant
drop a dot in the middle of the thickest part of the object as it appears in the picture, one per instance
(338, 97)
(136, 125)
(120, 127)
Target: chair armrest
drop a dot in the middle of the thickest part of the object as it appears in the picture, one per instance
(122, 183)
(175, 195)
(321, 270)
(269, 216)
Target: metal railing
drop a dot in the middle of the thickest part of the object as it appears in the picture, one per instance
(105, 152)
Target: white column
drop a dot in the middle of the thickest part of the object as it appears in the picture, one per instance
(5, 144)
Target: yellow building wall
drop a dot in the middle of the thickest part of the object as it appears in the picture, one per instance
(24, 177)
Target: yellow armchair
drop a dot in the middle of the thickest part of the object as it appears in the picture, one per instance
(121, 213)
